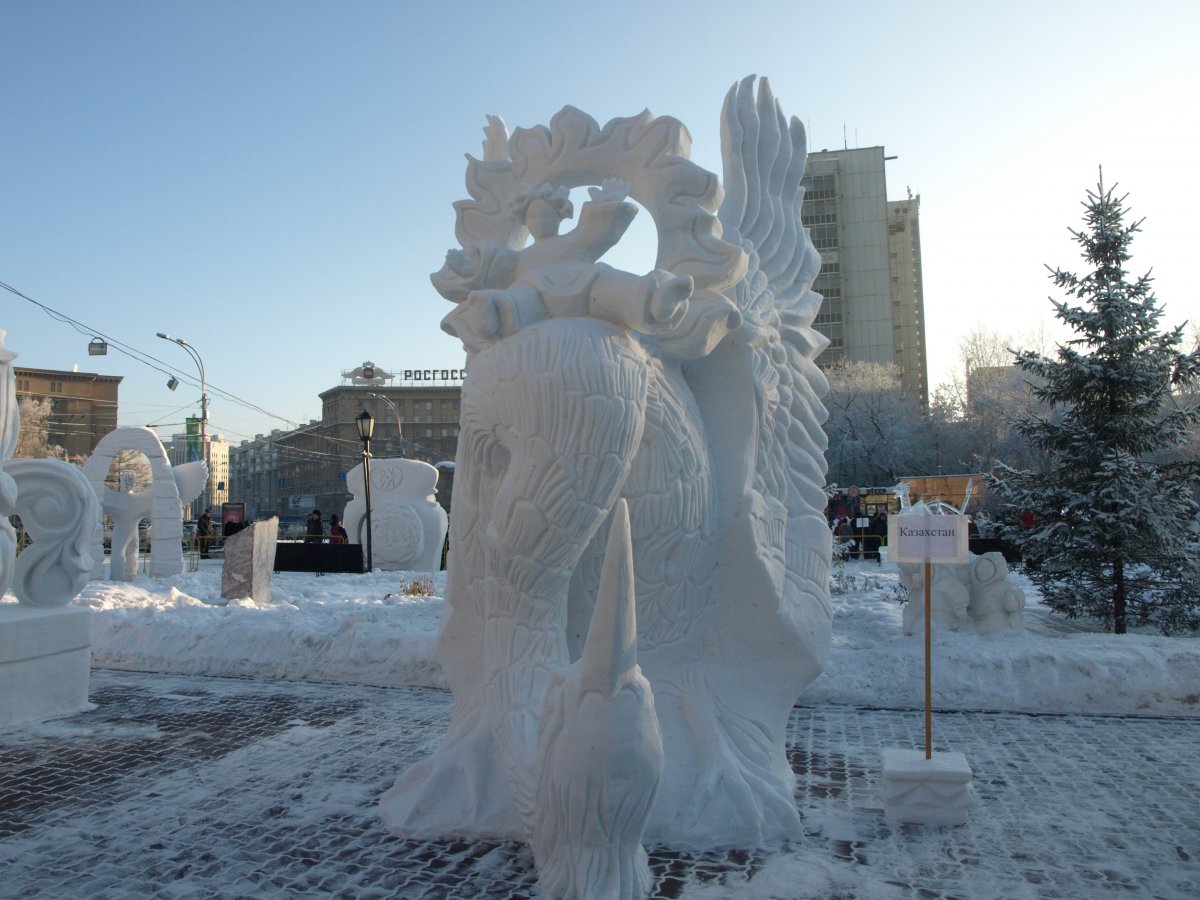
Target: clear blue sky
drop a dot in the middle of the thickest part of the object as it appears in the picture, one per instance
(272, 181)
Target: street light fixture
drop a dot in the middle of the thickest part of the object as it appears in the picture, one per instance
(399, 423)
(203, 404)
(366, 425)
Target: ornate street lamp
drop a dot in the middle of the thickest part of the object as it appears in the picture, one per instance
(366, 425)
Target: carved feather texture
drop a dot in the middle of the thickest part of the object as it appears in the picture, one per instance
(764, 161)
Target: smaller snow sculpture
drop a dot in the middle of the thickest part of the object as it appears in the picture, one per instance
(56, 506)
(162, 502)
(973, 598)
(46, 652)
(408, 526)
(996, 603)
(949, 596)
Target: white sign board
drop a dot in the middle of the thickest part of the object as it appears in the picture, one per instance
(935, 539)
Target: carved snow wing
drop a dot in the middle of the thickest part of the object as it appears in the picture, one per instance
(685, 398)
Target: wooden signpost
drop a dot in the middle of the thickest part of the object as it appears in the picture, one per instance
(928, 539)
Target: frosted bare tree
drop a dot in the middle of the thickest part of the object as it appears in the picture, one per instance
(33, 441)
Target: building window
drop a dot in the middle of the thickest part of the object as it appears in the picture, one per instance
(820, 187)
(824, 237)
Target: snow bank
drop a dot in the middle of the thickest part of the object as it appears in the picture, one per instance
(343, 628)
(874, 664)
(365, 629)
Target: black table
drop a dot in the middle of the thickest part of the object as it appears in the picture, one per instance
(300, 556)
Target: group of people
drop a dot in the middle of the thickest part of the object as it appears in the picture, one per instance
(206, 532)
(315, 529)
(861, 532)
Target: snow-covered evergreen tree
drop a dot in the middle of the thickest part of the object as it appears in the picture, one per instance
(1114, 534)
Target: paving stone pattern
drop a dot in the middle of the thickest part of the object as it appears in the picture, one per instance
(180, 786)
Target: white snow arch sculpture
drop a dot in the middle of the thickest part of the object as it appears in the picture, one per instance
(162, 502)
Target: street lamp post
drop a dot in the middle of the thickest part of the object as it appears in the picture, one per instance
(366, 425)
(203, 406)
(399, 424)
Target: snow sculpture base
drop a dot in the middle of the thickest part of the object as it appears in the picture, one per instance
(45, 662)
(924, 791)
(249, 561)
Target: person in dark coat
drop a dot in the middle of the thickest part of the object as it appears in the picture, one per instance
(878, 533)
(204, 531)
(857, 514)
(314, 530)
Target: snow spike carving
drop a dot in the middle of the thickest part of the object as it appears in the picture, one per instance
(600, 750)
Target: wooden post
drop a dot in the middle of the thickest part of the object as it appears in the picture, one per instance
(928, 668)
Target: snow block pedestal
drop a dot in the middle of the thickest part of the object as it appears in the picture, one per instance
(249, 561)
(45, 662)
(924, 791)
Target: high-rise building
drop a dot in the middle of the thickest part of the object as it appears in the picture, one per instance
(183, 448)
(870, 265)
(83, 405)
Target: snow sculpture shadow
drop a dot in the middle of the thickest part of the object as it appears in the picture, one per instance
(688, 394)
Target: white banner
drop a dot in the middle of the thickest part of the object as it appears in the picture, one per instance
(935, 539)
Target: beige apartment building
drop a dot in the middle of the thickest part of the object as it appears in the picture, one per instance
(83, 405)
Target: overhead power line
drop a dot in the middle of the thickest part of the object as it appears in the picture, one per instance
(144, 358)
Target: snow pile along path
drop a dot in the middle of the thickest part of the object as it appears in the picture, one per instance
(368, 629)
(874, 664)
(343, 628)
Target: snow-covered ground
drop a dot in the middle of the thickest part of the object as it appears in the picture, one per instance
(1055, 815)
(369, 630)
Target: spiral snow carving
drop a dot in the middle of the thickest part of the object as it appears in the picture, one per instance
(57, 508)
(685, 398)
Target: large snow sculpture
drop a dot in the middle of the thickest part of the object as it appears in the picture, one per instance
(408, 526)
(162, 502)
(689, 392)
(45, 655)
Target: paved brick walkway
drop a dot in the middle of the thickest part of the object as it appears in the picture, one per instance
(206, 787)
